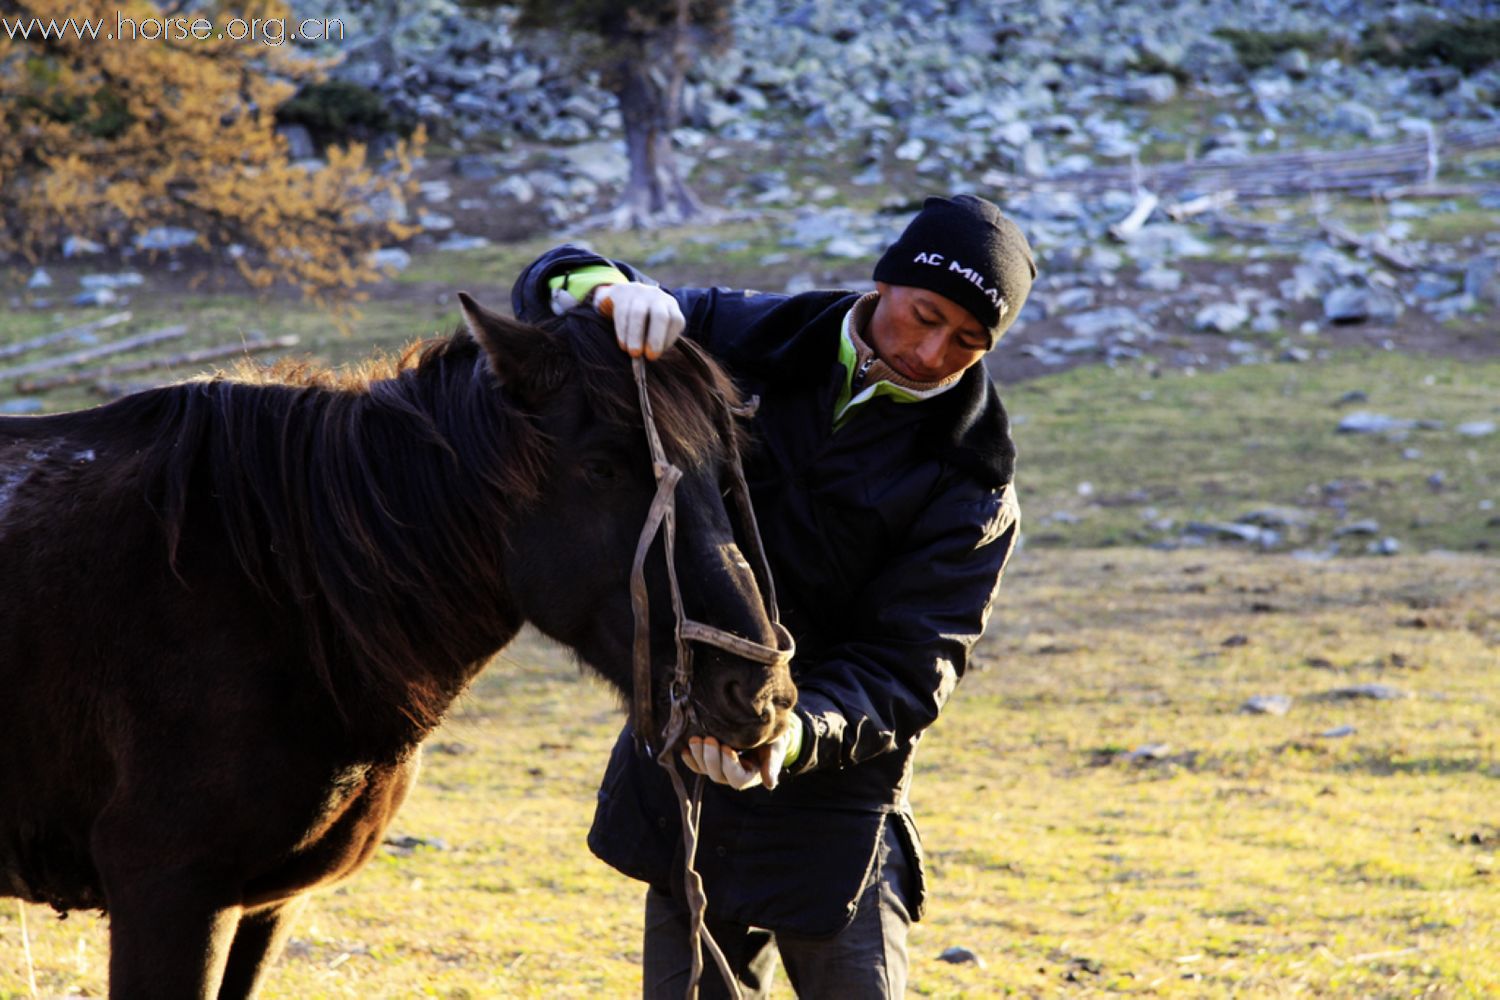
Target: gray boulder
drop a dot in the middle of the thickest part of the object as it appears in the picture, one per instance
(1482, 279)
(1267, 704)
(1158, 88)
(1359, 304)
(1221, 317)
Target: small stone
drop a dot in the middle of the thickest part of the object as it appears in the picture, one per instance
(436, 192)
(299, 142)
(1368, 526)
(1372, 692)
(1267, 704)
(1221, 317)
(39, 279)
(1100, 322)
(1231, 532)
(1482, 279)
(1476, 428)
(1385, 547)
(1160, 279)
(405, 844)
(1072, 299)
(1277, 517)
(476, 167)
(1338, 732)
(1361, 422)
(458, 242)
(799, 283)
(960, 956)
(125, 279)
(393, 258)
(96, 297)
(20, 406)
(516, 188)
(1351, 116)
(911, 150)
(1032, 161)
(77, 246)
(1294, 63)
(1158, 88)
(846, 248)
(166, 238)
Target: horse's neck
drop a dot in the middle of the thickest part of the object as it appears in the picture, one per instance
(396, 537)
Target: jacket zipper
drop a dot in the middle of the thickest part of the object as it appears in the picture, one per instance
(861, 371)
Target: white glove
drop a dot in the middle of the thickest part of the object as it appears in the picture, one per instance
(762, 766)
(647, 319)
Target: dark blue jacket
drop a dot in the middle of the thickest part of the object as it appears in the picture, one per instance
(887, 541)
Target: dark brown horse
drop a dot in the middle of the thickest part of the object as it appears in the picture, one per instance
(231, 609)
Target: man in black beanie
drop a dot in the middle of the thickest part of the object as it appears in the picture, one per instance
(882, 480)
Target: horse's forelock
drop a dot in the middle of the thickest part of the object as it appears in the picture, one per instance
(688, 389)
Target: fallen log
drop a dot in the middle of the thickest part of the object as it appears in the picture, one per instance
(1370, 244)
(1367, 170)
(103, 350)
(1418, 191)
(194, 357)
(1132, 223)
(63, 336)
(1204, 203)
(1331, 231)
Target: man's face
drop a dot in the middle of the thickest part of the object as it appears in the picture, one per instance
(923, 335)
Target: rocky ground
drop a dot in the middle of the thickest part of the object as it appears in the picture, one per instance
(827, 122)
(813, 137)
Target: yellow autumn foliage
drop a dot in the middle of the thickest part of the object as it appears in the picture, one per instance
(106, 138)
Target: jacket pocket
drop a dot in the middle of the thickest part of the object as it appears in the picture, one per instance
(794, 871)
(636, 829)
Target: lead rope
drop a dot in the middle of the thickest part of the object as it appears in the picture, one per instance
(663, 513)
(661, 517)
(26, 946)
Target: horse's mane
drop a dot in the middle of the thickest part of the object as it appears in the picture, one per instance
(374, 498)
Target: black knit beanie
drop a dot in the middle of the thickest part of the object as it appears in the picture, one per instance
(964, 249)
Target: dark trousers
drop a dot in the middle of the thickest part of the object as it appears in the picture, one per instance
(867, 959)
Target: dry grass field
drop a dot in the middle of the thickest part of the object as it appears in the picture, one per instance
(1099, 815)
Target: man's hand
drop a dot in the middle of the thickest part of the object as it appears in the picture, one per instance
(762, 766)
(647, 319)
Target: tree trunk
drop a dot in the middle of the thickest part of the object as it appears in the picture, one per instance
(651, 108)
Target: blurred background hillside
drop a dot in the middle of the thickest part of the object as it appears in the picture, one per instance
(1267, 231)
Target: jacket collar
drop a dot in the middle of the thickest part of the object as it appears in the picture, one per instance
(966, 426)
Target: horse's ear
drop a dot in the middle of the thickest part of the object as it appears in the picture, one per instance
(522, 356)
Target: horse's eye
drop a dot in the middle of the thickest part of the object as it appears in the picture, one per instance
(599, 470)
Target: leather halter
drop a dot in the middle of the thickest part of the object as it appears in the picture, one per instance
(661, 518)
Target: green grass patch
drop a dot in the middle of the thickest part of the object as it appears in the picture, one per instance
(1468, 44)
(1259, 49)
(1215, 446)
